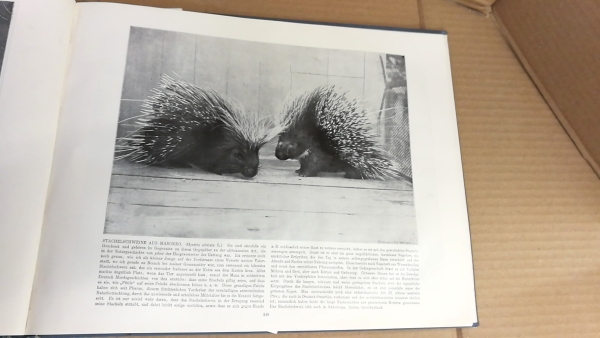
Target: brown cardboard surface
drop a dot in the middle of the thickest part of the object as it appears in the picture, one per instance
(557, 42)
(483, 6)
(534, 203)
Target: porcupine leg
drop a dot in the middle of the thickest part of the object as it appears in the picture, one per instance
(353, 173)
(314, 162)
(301, 169)
(327, 168)
(303, 165)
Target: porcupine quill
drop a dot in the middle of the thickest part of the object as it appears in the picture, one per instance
(183, 125)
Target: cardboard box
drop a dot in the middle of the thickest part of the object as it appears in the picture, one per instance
(557, 43)
(534, 201)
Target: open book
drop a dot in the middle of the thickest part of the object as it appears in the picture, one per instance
(167, 171)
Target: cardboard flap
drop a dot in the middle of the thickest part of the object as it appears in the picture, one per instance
(483, 6)
(558, 46)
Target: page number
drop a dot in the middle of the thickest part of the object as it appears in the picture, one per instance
(266, 314)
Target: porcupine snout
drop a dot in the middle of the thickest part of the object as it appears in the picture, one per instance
(286, 150)
(249, 171)
(250, 167)
(281, 152)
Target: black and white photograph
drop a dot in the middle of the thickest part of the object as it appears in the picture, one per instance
(232, 139)
(6, 10)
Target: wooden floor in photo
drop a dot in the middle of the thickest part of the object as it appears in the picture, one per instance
(274, 205)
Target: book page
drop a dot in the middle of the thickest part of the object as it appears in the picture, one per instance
(34, 40)
(291, 176)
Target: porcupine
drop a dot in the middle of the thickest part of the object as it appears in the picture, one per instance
(183, 126)
(327, 132)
